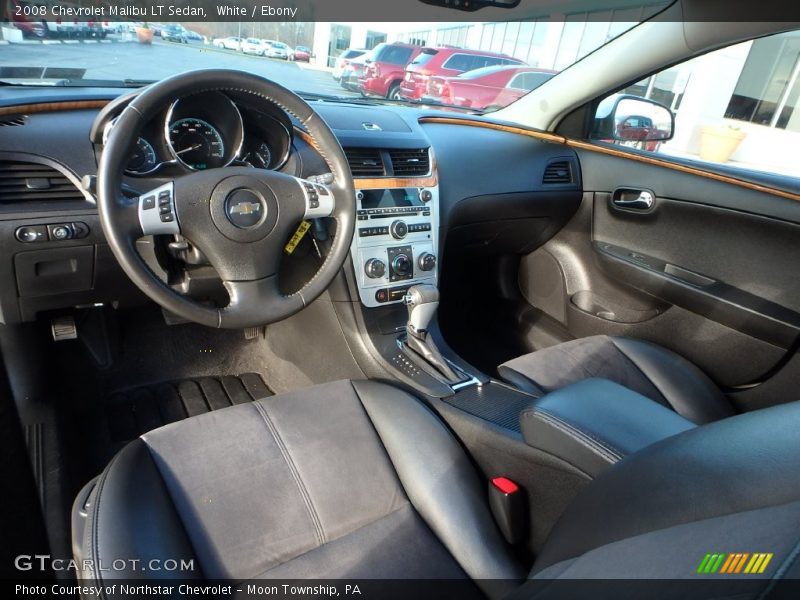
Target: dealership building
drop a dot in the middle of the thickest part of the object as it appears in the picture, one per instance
(751, 88)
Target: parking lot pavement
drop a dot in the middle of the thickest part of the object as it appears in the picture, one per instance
(149, 62)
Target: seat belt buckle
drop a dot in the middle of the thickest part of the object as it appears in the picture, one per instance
(507, 503)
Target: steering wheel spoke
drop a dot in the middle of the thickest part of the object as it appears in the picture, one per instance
(156, 211)
(255, 301)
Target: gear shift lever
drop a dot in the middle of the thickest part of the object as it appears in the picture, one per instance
(422, 302)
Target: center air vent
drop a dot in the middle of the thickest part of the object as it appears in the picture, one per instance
(14, 121)
(365, 162)
(32, 182)
(410, 163)
(558, 172)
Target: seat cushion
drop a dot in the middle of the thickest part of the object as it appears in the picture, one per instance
(646, 368)
(343, 480)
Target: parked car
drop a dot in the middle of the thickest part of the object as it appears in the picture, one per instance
(30, 29)
(302, 53)
(488, 87)
(345, 58)
(446, 62)
(228, 43)
(193, 36)
(273, 49)
(174, 33)
(384, 69)
(254, 46)
(352, 72)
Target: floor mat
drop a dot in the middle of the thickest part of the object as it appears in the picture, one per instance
(132, 412)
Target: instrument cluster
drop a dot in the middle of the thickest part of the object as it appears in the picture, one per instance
(210, 130)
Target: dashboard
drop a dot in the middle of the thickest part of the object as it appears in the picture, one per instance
(422, 184)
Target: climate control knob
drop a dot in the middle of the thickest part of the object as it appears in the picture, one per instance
(398, 229)
(375, 268)
(402, 265)
(426, 261)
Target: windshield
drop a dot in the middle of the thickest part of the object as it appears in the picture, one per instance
(312, 58)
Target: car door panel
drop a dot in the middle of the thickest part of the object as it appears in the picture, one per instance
(710, 271)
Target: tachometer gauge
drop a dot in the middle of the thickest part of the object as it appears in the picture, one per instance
(143, 158)
(197, 144)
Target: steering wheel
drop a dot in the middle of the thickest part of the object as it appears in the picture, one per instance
(239, 217)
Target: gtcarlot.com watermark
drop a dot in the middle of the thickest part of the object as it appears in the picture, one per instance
(45, 562)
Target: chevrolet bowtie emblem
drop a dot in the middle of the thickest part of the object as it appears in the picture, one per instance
(245, 208)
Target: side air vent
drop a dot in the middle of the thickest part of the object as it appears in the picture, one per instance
(410, 163)
(365, 162)
(558, 172)
(14, 121)
(34, 182)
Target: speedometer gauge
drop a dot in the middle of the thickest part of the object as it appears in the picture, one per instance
(197, 144)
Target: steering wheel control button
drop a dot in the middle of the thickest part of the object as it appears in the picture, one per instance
(32, 233)
(399, 229)
(245, 208)
(319, 200)
(161, 221)
(60, 232)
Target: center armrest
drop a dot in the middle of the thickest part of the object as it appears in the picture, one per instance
(594, 423)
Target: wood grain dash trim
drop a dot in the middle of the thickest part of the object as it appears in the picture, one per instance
(541, 135)
(652, 160)
(583, 145)
(44, 107)
(361, 183)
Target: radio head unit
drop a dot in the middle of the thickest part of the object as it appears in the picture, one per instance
(395, 241)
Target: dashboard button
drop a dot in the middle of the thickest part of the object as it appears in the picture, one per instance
(80, 230)
(60, 232)
(399, 229)
(32, 233)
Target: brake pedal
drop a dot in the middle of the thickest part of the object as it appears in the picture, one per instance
(64, 328)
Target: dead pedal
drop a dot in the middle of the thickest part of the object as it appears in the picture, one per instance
(251, 333)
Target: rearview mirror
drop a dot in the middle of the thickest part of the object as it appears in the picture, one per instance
(632, 119)
(470, 5)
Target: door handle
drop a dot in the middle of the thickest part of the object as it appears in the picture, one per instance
(633, 200)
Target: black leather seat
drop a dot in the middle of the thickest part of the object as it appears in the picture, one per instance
(360, 480)
(646, 368)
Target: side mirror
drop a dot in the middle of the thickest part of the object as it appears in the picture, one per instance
(632, 119)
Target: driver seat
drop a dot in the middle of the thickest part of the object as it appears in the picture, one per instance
(352, 480)
(359, 480)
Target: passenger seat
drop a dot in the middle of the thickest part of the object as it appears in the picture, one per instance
(643, 367)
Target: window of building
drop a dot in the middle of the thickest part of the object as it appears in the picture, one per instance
(768, 88)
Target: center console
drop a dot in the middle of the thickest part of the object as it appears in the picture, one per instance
(395, 242)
